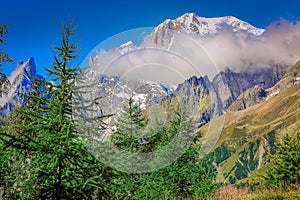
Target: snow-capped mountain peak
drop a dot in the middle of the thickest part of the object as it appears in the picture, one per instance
(28, 66)
(193, 24)
(126, 47)
(189, 23)
(20, 80)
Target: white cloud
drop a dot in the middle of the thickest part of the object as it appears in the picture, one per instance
(197, 55)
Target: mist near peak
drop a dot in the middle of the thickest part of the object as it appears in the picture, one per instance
(180, 56)
(278, 45)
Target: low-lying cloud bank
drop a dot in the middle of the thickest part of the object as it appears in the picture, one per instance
(187, 55)
(279, 44)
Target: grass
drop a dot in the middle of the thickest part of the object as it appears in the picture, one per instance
(279, 113)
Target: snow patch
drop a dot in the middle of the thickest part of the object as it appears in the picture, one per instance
(192, 23)
(140, 99)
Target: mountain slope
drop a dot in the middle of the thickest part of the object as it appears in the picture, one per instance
(248, 135)
(249, 98)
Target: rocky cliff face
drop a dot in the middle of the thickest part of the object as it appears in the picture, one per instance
(200, 95)
(206, 98)
(229, 84)
(115, 91)
(292, 77)
(249, 98)
(213, 98)
(258, 94)
(20, 81)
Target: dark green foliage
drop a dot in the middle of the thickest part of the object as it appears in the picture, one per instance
(220, 154)
(130, 125)
(50, 162)
(240, 172)
(193, 180)
(285, 163)
(189, 176)
(247, 161)
(6, 154)
(4, 87)
(232, 180)
(271, 139)
(253, 147)
(4, 57)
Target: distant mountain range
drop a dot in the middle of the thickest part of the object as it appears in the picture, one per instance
(211, 97)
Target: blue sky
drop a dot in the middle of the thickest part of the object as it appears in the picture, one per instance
(35, 25)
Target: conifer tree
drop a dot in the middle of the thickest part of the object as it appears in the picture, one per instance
(188, 176)
(4, 57)
(285, 163)
(4, 86)
(55, 162)
(130, 123)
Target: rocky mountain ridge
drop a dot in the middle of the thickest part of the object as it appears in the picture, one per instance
(213, 98)
(20, 80)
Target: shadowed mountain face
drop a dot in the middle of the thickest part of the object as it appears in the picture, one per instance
(249, 98)
(213, 98)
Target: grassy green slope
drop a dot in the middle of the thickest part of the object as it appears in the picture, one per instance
(248, 136)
